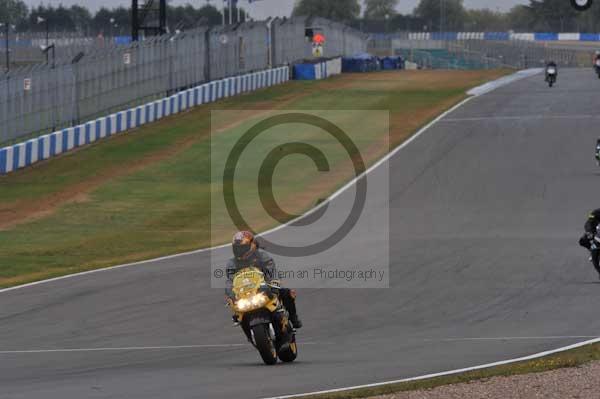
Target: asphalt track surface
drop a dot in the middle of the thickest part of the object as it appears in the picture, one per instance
(486, 210)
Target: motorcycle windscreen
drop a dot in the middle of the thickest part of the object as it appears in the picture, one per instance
(247, 282)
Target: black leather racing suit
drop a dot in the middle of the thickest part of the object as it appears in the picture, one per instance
(263, 261)
(586, 240)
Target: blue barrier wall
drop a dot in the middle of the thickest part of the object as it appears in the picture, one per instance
(25, 154)
(496, 36)
(546, 36)
(319, 70)
(122, 40)
(444, 35)
(589, 37)
(305, 72)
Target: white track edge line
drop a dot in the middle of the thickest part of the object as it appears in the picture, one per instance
(122, 349)
(332, 197)
(444, 373)
(538, 338)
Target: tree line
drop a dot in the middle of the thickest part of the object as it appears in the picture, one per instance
(114, 21)
(451, 15)
(377, 16)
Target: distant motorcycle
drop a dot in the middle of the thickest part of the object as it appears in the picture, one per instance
(597, 67)
(598, 151)
(551, 75)
(581, 5)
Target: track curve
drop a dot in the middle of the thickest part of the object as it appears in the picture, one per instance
(486, 209)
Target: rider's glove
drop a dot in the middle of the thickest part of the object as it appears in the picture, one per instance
(589, 236)
(276, 283)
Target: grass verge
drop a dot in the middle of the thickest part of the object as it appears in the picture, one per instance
(572, 358)
(146, 193)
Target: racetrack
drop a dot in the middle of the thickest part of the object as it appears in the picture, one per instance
(486, 209)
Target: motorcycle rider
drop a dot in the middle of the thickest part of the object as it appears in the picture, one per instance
(587, 240)
(549, 65)
(247, 253)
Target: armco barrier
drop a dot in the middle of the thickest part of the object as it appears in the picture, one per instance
(447, 36)
(589, 37)
(569, 36)
(25, 154)
(496, 36)
(471, 35)
(318, 71)
(332, 67)
(522, 36)
(451, 36)
(545, 37)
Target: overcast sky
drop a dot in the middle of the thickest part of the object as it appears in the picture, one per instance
(265, 8)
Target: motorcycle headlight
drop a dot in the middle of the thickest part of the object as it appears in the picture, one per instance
(254, 302)
(243, 304)
(259, 299)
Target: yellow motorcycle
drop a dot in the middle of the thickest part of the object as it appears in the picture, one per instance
(262, 316)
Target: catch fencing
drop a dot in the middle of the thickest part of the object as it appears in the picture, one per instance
(484, 54)
(523, 54)
(26, 48)
(496, 36)
(27, 153)
(84, 81)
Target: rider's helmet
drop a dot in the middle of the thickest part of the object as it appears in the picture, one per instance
(244, 245)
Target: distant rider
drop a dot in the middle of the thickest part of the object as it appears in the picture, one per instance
(549, 65)
(587, 240)
(246, 254)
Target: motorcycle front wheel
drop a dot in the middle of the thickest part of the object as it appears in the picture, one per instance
(264, 343)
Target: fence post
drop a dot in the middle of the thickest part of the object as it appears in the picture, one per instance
(207, 59)
(7, 125)
(75, 67)
(273, 50)
(170, 55)
(270, 44)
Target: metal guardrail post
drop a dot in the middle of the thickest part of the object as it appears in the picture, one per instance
(207, 60)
